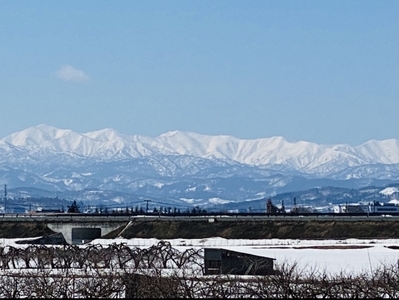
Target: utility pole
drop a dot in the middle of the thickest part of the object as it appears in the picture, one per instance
(146, 208)
(5, 198)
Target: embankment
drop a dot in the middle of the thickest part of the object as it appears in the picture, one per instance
(262, 229)
(228, 230)
(10, 229)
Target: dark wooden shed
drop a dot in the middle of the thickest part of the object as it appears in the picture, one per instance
(223, 261)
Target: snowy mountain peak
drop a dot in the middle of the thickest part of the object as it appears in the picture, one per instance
(37, 135)
(185, 165)
(105, 135)
(108, 144)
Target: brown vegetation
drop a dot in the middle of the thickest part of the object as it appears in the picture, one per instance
(262, 229)
(18, 229)
(114, 271)
(228, 229)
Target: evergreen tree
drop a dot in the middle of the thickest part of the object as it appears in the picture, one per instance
(74, 208)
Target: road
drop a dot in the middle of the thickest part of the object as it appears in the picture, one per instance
(64, 218)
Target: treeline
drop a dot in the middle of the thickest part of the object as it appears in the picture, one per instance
(155, 210)
(75, 208)
(161, 271)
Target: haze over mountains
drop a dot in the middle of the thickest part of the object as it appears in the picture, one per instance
(184, 166)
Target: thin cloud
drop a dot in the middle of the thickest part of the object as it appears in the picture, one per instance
(69, 73)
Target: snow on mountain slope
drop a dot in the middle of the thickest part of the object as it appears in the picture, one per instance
(184, 165)
(386, 152)
(108, 144)
(389, 191)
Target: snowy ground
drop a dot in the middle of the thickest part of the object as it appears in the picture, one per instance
(375, 253)
(288, 250)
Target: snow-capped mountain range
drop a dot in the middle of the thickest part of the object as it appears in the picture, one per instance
(187, 166)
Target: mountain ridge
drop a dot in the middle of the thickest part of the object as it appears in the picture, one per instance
(109, 144)
(187, 167)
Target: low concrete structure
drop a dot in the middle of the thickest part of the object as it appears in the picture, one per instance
(80, 233)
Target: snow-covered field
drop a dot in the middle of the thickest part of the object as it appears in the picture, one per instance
(352, 260)
(288, 250)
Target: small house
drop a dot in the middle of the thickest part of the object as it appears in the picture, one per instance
(223, 261)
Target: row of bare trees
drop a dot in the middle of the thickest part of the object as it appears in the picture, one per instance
(161, 271)
(114, 256)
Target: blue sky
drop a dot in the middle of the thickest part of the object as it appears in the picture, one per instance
(319, 71)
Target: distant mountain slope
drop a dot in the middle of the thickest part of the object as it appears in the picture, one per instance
(107, 144)
(188, 167)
